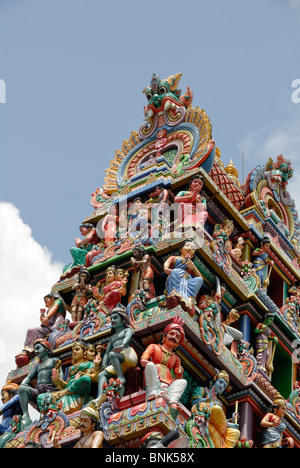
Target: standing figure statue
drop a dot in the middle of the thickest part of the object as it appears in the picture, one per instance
(184, 279)
(274, 426)
(265, 344)
(223, 433)
(141, 263)
(119, 355)
(110, 225)
(42, 372)
(82, 290)
(160, 360)
(261, 261)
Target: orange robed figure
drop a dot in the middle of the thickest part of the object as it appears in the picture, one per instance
(159, 360)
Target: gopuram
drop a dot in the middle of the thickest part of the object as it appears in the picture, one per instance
(176, 323)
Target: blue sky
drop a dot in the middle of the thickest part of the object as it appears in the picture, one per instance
(75, 70)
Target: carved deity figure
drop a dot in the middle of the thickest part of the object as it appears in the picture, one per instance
(75, 391)
(119, 355)
(51, 320)
(193, 208)
(274, 426)
(141, 263)
(42, 372)
(184, 279)
(265, 344)
(82, 290)
(82, 248)
(261, 261)
(110, 225)
(10, 406)
(92, 435)
(224, 433)
(160, 360)
(113, 291)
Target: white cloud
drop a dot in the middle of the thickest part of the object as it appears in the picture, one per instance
(27, 274)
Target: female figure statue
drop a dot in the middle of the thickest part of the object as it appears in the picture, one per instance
(184, 279)
(264, 348)
(75, 392)
(274, 426)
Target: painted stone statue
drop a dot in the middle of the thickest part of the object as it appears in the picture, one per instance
(141, 263)
(223, 433)
(82, 248)
(274, 426)
(73, 393)
(193, 209)
(51, 320)
(119, 355)
(10, 406)
(184, 279)
(82, 289)
(261, 261)
(265, 344)
(160, 361)
(42, 372)
(114, 289)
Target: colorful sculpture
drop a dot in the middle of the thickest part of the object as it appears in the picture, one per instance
(261, 260)
(119, 355)
(75, 391)
(159, 360)
(153, 198)
(223, 433)
(51, 320)
(42, 372)
(184, 279)
(113, 291)
(82, 290)
(265, 344)
(11, 406)
(274, 426)
(193, 214)
(141, 263)
(83, 247)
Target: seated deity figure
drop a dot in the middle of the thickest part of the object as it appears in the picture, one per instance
(160, 360)
(184, 279)
(113, 291)
(82, 248)
(51, 320)
(73, 393)
(223, 433)
(42, 373)
(193, 208)
(119, 355)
